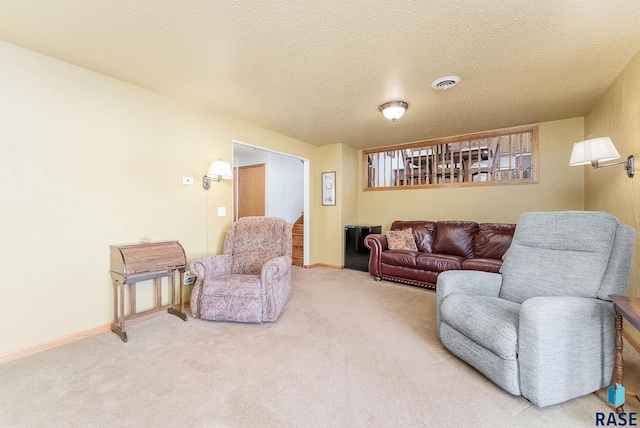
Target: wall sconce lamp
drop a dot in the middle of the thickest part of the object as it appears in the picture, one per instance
(219, 170)
(596, 150)
(393, 110)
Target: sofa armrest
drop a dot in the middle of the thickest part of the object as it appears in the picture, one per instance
(564, 337)
(474, 283)
(376, 243)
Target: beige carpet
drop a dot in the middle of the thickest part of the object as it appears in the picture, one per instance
(347, 352)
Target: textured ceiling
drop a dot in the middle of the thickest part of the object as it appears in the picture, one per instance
(317, 70)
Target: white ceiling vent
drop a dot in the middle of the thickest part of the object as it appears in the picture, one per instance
(445, 83)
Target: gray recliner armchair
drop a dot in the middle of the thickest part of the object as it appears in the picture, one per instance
(544, 327)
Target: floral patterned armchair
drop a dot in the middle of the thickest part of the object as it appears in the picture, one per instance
(251, 280)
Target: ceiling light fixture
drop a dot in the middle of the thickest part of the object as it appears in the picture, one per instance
(444, 83)
(394, 110)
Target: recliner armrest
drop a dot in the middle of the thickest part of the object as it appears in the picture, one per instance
(207, 268)
(276, 286)
(564, 337)
(275, 267)
(210, 267)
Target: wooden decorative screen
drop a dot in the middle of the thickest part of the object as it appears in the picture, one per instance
(504, 156)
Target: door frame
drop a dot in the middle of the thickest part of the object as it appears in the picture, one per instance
(306, 197)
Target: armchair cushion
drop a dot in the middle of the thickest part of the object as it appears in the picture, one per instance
(257, 234)
(493, 322)
(467, 282)
(232, 298)
(568, 259)
(250, 262)
(503, 372)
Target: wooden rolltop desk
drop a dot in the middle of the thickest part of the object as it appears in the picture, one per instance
(131, 263)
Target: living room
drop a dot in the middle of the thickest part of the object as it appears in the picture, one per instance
(89, 161)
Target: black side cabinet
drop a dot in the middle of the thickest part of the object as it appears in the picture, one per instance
(356, 255)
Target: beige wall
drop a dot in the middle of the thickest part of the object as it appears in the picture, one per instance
(87, 161)
(344, 161)
(349, 187)
(328, 238)
(560, 187)
(617, 115)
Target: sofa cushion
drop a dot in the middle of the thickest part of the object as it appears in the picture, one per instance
(486, 265)
(424, 233)
(455, 238)
(438, 262)
(493, 240)
(399, 258)
(493, 322)
(401, 240)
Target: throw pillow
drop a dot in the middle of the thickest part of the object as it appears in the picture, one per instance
(401, 240)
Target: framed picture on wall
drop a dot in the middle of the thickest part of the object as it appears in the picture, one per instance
(329, 188)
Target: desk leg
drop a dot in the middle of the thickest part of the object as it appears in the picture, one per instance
(118, 310)
(619, 362)
(158, 284)
(180, 290)
(172, 289)
(132, 300)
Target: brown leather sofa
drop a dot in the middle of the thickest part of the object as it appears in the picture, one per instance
(442, 245)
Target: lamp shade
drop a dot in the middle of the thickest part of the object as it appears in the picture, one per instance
(220, 170)
(394, 110)
(593, 150)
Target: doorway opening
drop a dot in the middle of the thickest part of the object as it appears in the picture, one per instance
(281, 179)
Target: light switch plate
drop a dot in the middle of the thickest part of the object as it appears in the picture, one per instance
(187, 180)
(222, 211)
